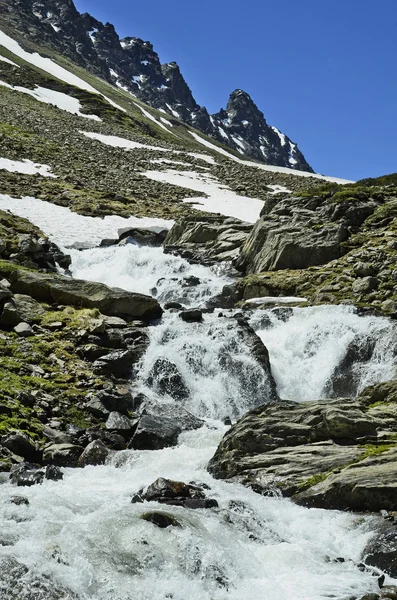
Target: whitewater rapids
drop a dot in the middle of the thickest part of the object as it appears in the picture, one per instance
(84, 533)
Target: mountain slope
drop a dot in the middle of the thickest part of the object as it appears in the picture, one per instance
(133, 65)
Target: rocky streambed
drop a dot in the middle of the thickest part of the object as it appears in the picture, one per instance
(116, 409)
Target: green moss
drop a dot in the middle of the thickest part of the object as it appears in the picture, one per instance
(71, 317)
(374, 450)
(314, 480)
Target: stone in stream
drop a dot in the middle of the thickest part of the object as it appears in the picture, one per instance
(191, 316)
(94, 454)
(175, 493)
(165, 379)
(144, 236)
(338, 454)
(154, 433)
(160, 519)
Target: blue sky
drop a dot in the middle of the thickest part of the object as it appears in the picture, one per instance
(322, 71)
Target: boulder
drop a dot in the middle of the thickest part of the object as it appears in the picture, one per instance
(144, 236)
(274, 246)
(60, 289)
(338, 453)
(117, 421)
(165, 379)
(19, 443)
(175, 493)
(160, 519)
(94, 454)
(118, 363)
(191, 316)
(62, 455)
(154, 432)
(23, 330)
(209, 239)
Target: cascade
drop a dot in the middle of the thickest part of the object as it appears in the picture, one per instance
(84, 533)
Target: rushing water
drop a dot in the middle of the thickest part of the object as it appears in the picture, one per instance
(84, 533)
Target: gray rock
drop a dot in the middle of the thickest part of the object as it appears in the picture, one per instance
(62, 455)
(364, 285)
(154, 433)
(144, 236)
(119, 422)
(19, 443)
(23, 330)
(165, 379)
(94, 454)
(316, 451)
(77, 292)
(118, 363)
(191, 316)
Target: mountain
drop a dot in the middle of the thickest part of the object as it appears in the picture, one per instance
(133, 65)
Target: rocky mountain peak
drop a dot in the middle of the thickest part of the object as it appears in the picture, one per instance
(133, 65)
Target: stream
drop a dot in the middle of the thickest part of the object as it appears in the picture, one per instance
(83, 532)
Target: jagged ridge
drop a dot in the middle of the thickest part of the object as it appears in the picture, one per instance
(133, 65)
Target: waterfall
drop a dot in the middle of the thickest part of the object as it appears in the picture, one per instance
(307, 345)
(83, 533)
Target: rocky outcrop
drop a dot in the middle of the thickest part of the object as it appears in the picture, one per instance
(207, 239)
(330, 453)
(76, 292)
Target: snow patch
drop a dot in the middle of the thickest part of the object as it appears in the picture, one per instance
(173, 111)
(7, 60)
(27, 167)
(220, 198)
(65, 227)
(223, 133)
(166, 122)
(280, 135)
(58, 99)
(49, 66)
(118, 142)
(55, 28)
(151, 117)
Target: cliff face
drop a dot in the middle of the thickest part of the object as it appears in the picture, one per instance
(132, 64)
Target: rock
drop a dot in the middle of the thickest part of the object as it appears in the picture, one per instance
(381, 551)
(53, 473)
(19, 500)
(191, 316)
(26, 475)
(154, 433)
(173, 305)
(160, 519)
(118, 363)
(144, 236)
(207, 239)
(19, 443)
(365, 285)
(119, 422)
(273, 246)
(336, 454)
(176, 493)
(94, 454)
(21, 308)
(28, 244)
(182, 418)
(62, 455)
(23, 330)
(165, 379)
(85, 294)
(362, 269)
(18, 583)
(5, 293)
